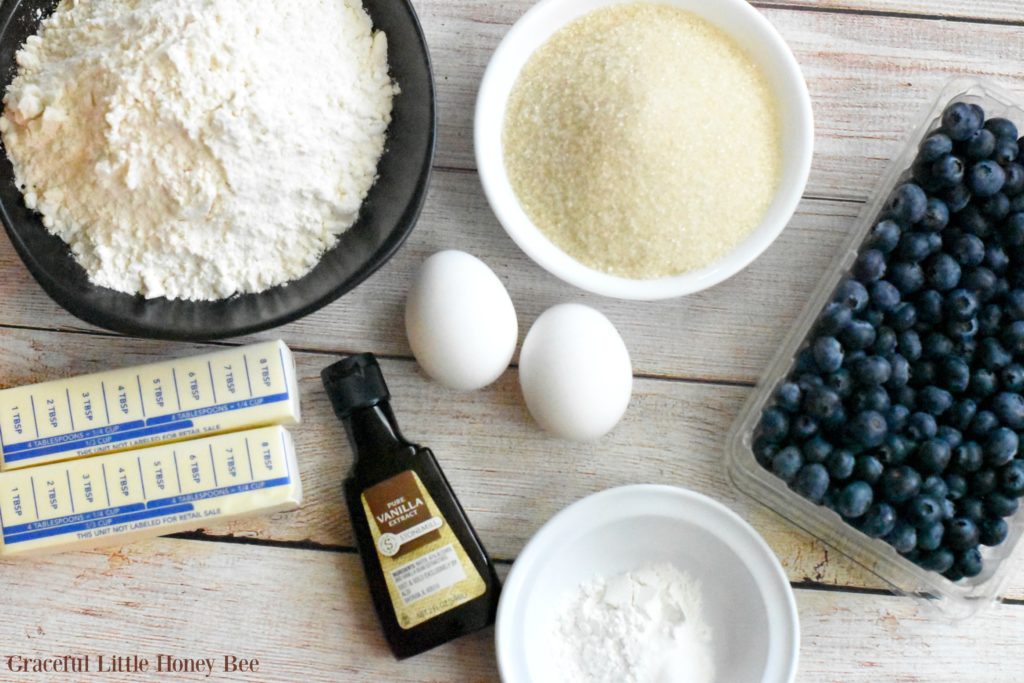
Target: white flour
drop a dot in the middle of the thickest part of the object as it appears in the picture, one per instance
(195, 149)
(644, 626)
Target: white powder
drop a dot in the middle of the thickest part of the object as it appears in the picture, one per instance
(195, 149)
(638, 627)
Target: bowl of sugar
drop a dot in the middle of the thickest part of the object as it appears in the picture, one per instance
(643, 150)
(234, 170)
(652, 583)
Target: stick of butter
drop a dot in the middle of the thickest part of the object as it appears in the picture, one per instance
(119, 497)
(248, 386)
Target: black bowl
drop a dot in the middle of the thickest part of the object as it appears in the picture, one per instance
(387, 217)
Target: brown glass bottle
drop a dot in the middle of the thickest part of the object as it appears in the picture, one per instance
(430, 577)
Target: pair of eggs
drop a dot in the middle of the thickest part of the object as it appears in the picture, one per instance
(574, 368)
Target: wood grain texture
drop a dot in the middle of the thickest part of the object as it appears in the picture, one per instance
(306, 615)
(975, 11)
(509, 475)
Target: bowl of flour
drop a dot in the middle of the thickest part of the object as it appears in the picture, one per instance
(647, 584)
(186, 170)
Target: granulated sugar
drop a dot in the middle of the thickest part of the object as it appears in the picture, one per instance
(196, 149)
(643, 141)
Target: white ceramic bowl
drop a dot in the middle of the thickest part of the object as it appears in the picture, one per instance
(748, 602)
(735, 17)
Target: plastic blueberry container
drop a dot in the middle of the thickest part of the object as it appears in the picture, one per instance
(956, 601)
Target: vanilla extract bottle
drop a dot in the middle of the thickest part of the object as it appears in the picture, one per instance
(429, 575)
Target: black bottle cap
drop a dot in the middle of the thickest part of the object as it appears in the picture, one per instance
(354, 383)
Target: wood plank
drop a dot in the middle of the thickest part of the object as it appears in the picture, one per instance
(510, 477)
(974, 11)
(870, 77)
(306, 615)
(727, 333)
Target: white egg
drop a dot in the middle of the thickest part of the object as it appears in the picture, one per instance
(460, 321)
(575, 373)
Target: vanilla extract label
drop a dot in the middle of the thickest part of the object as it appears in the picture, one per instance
(399, 510)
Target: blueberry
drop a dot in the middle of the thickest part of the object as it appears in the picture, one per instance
(936, 346)
(984, 382)
(884, 295)
(957, 197)
(840, 464)
(906, 396)
(816, 450)
(989, 319)
(961, 533)
(803, 427)
(871, 398)
(914, 247)
(903, 316)
(923, 511)
(853, 295)
(879, 520)
(885, 236)
(869, 266)
(996, 207)
(984, 422)
(821, 403)
(1002, 128)
(948, 171)
(923, 373)
(934, 400)
(950, 435)
(900, 484)
(954, 374)
(840, 381)
(1012, 378)
(968, 249)
(972, 221)
(774, 425)
(872, 371)
(868, 468)
(1013, 337)
(1001, 447)
(787, 463)
(907, 276)
(942, 272)
(971, 508)
(894, 450)
(921, 426)
(960, 121)
(1000, 505)
(1011, 478)
(909, 343)
(969, 456)
(896, 417)
(948, 509)
(968, 563)
(929, 536)
(961, 414)
(873, 317)
(1009, 408)
(854, 499)
(835, 317)
(886, 342)
(900, 372)
(983, 482)
(935, 243)
(936, 215)
(1015, 304)
(909, 202)
(961, 304)
(934, 486)
(981, 280)
(980, 145)
(764, 452)
(939, 560)
(1006, 152)
(934, 146)
(903, 537)
(811, 482)
(1014, 180)
(868, 428)
(956, 485)
(933, 456)
(985, 178)
(858, 335)
(828, 354)
(996, 259)
(992, 531)
(788, 397)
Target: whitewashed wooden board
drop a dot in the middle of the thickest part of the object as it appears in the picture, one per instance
(287, 588)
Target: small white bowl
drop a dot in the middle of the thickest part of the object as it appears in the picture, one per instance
(738, 19)
(748, 602)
